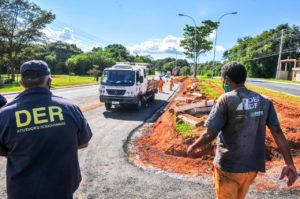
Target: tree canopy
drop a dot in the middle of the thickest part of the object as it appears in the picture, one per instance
(260, 53)
(21, 23)
(200, 34)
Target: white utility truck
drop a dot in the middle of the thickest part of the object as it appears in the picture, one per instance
(126, 83)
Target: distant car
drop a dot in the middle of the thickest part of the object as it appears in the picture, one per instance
(158, 76)
(2, 101)
(167, 77)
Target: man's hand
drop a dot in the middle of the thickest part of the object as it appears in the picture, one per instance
(291, 173)
(204, 139)
(190, 150)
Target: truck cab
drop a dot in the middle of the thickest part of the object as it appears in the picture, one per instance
(124, 84)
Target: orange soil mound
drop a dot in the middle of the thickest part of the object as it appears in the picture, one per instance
(164, 148)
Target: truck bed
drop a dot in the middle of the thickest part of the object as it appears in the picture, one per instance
(152, 85)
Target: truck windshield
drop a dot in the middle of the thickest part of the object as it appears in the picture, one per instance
(118, 77)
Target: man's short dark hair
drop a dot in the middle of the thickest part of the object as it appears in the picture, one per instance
(32, 79)
(235, 71)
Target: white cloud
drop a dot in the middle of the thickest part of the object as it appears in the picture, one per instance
(220, 48)
(212, 35)
(169, 44)
(65, 35)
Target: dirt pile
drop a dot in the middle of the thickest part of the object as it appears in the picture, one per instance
(165, 148)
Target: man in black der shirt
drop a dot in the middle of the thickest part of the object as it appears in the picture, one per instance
(41, 134)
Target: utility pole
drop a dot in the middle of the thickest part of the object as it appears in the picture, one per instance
(279, 55)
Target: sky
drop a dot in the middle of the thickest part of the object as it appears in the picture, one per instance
(153, 27)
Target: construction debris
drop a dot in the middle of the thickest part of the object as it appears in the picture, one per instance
(180, 99)
(201, 110)
(200, 104)
(197, 94)
(191, 120)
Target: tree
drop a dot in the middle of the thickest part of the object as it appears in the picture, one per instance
(202, 45)
(260, 53)
(143, 59)
(158, 64)
(21, 23)
(117, 51)
(61, 52)
(186, 70)
(182, 63)
(168, 66)
(80, 64)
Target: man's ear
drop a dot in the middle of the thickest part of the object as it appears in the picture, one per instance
(49, 82)
(227, 80)
(21, 83)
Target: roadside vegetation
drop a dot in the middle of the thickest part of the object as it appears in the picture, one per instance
(57, 81)
(208, 87)
(213, 89)
(184, 129)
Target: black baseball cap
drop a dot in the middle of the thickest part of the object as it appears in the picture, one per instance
(39, 67)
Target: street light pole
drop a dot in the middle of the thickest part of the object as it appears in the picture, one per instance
(176, 56)
(215, 43)
(195, 42)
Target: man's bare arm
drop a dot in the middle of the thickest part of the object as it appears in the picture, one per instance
(289, 170)
(282, 144)
(204, 139)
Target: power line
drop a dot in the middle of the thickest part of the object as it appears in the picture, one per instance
(276, 36)
(82, 37)
(81, 32)
(273, 54)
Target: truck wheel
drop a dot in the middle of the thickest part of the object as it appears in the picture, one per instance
(152, 97)
(108, 106)
(139, 104)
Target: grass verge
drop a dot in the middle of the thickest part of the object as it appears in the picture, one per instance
(184, 129)
(207, 84)
(207, 87)
(57, 81)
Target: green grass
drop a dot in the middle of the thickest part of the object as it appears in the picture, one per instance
(259, 90)
(57, 81)
(184, 129)
(66, 80)
(207, 89)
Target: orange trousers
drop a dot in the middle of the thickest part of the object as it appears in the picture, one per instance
(232, 185)
(160, 88)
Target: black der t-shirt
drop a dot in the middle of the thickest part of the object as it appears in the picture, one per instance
(241, 117)
(41, 133)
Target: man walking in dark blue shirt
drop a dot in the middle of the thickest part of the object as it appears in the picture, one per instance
(239, 120)
(41, 134)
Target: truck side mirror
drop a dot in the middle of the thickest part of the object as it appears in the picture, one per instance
(141, 79)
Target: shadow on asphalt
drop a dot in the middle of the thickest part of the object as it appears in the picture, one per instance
(130, 113)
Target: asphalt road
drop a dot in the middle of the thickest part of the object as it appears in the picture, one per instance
(105, 170)
(293, 89)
